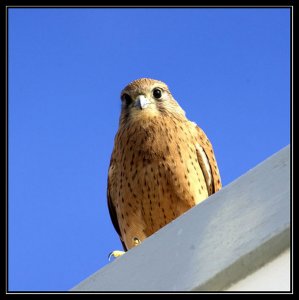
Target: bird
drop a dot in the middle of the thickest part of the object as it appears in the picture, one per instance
(162, 164)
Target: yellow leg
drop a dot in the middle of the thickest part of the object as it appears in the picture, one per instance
(136, 241)
(116, 253)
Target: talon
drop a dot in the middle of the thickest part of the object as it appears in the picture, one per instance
(115, 253)
(136, 241)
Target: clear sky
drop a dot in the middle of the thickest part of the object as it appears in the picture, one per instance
(228, 68)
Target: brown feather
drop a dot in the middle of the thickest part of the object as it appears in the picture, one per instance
(162, 164)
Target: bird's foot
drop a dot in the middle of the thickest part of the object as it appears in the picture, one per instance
(136, 241)
(115, 254)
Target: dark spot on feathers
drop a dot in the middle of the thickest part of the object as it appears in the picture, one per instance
(134, 175)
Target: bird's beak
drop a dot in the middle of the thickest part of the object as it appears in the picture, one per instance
(142, 101)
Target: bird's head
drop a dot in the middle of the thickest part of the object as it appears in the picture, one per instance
(146, 98)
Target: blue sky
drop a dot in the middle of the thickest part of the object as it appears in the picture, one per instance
(228, 68)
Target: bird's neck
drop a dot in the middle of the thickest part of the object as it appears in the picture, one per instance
(149, 137)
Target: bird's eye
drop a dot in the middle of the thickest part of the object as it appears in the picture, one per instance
(126, 99)
(157, 93)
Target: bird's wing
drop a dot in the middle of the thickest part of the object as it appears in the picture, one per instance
(207, 161)
(111, 206)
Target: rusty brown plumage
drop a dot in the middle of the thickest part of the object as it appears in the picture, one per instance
(162, 164)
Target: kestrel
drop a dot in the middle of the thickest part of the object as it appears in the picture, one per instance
(162, 164)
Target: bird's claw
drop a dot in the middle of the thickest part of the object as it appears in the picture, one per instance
(115, 254)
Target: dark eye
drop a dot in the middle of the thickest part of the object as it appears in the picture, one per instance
(157, 93)
(127, 99)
